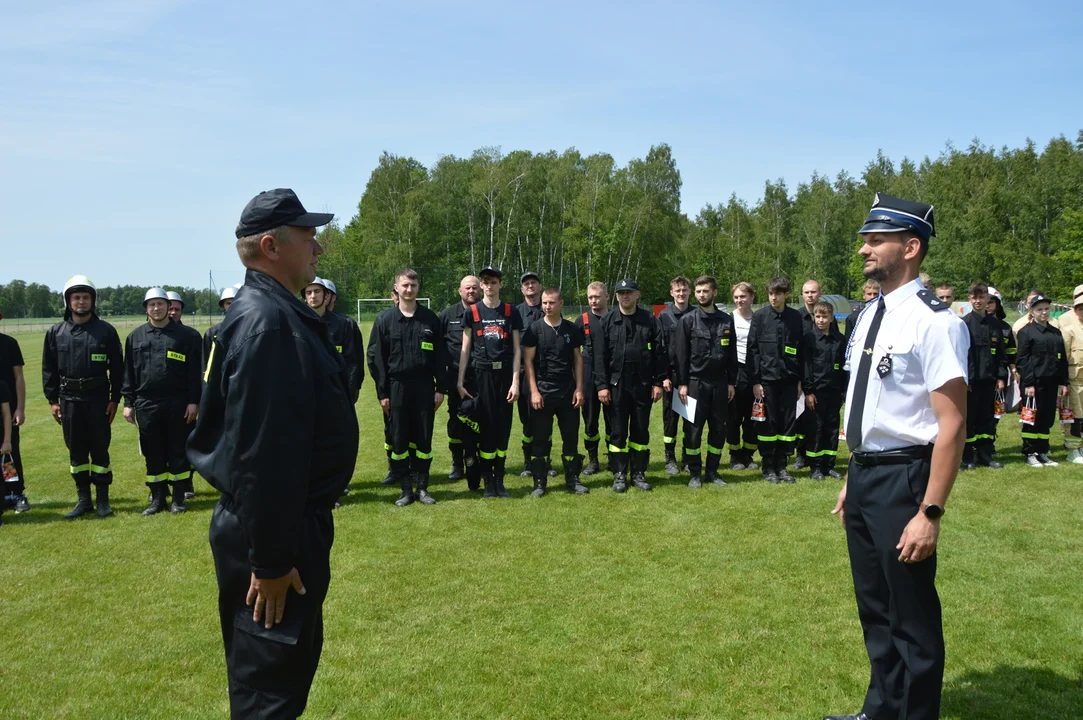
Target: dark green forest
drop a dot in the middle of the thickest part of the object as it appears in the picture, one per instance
(1012, 217)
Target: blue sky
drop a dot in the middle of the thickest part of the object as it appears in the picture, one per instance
(133, 132)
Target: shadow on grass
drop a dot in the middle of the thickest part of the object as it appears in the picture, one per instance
(1012, 692)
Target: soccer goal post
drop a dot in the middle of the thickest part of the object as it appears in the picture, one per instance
(369, 308)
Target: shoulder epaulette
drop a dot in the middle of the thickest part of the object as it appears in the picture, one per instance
(934, 303)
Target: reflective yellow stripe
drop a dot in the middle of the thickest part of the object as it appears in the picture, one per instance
(666, 440)
(636, 446)
(614, 448)
(181, 476)
(175, 356)
(731, 446)
(412, 446)
(486, 455)
(387, 447)
(400, 456)
(767, 438)
(1035, 436)
(339, 348)
(210, 360)
(690, 451)
(80, 468)
(713, 450)
(592, 438)
(423, 455)
(648, 346)
(528, 439)
(787, 438)
(725, 342)
(502, 453)
(751, 446)
(157, 478)
(1012, 351)
(454, 441)
(821, 453)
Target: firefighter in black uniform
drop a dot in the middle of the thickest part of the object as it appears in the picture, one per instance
(529, 311)
(1043, 377)
(630, 365)
(451, 326)
(162, 383)
(344, 333)
(706, 369)
(491, 353)
(810, 295)
(994, 308)
(406, 361)
(554, 371)
(679, 289)
(825, 384)
(598, 300)
(987, 372)
(224, 301)
(776, 368)
(82, 367)
(277, 435)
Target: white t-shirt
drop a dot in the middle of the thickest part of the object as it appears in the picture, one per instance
(741, 326)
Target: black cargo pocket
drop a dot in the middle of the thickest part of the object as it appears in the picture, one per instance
(271, 659)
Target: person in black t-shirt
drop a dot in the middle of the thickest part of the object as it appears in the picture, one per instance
(11, 376)
(554, 370)
(825, 384)
(491, 352)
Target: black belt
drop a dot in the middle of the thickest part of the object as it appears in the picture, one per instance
(900, 456)
(494, 365)
(81, 384)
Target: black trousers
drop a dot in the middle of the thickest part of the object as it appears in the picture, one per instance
(454, 425)
(163, 434)
(822, 439)
(670, 420)
(592, 410)
(740, 427)
(525, 410)
(410, 424)
(1036, 436)
(981, 427)
(17, 487)
(541, 422)
(270, 671)
(712, 407)
(896, 602)
(630, 434)
(87, 434)
(494, 415)
(776, 433)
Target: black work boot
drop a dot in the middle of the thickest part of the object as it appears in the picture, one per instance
(968, 457)
(985, 457)
(178, 498)
(526, 462)
(84, 505)
(817, 469)
(539, 468)
(696, 473)
(423, 488)
(592, 462)
(159, 497)
(768, 468)
(389, 479)
(572, 467)
(750, 460)
(801, 462)
(104, 510)
(189, 489)
(780, 463)
(456, 463)
(620, 482)
(671, 461)
(640, 458)
(407, 495)
(473, 472)
(490, 480)
(498, 477)
(711, 475)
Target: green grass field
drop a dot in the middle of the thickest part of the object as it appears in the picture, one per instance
(718, 603)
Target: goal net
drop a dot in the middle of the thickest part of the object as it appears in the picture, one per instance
(369, 308)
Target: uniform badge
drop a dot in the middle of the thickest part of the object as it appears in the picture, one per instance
(883, 368)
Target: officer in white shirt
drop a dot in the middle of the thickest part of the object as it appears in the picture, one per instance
(906, 427)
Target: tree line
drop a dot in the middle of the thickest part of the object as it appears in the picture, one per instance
(21, 300)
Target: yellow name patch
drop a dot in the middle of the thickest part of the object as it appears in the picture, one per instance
(339, 348)
(175, 356)
(724, 342)
(790, 350)
(98, 357)
(426, 345)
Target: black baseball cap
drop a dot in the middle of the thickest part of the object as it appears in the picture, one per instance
(627, 284)
(1039, 298)
(490, 271)
(529, 274)
(275, 208)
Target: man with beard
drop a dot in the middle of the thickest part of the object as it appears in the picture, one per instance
(451, 328)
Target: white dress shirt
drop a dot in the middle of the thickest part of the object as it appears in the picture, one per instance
(926, 349)
(740, 327)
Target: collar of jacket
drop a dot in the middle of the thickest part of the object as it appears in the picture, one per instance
(266, 283)
(619, 316)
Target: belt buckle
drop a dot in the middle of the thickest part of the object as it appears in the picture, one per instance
(498, 365)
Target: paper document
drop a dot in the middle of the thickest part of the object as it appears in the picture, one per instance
(685, 410)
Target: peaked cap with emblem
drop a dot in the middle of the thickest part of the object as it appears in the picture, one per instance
(892, 214)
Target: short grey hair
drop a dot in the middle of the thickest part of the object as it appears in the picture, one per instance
(248, 246)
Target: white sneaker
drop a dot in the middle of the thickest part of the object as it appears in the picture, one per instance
(1076, 457)
(1033, 461)
(1044, 460)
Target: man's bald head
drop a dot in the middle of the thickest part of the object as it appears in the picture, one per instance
(469, 289)
(810, 293)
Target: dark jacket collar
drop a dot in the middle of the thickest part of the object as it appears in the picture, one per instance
(266, 283)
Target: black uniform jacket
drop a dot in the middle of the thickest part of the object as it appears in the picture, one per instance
(987, 359)
(668, 319)
(208, 341)
(644, 353)
(86, 352)
(554, 355)
(774, 346)
(705, 346)
(162, 363)
(1041, 355)
(277, 432)
(1008, 343)
(451, 327)
(825, 357)
(346, 337)
(408, 349)
(587, 323)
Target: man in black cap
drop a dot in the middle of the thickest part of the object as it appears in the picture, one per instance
(630, 365)
(277, 435)
(905, 425)
(451, 326)
(530, 310)
(491, 352)
(82, 368)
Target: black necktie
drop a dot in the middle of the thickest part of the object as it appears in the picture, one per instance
(853, 432)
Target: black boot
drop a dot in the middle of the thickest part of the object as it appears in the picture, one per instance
(84, 505)
(985, 457)
(801, 462)
(750, 460)
(498, 478)
(189, 489)
(526, 462)
(159, 497)
(780, 463)
(711, 475)
(389, 479)
(572, 467)
(592, 462)
(671, 461)
(456, 463)
(768, 469)
(968, 457)
(640, 458)
(695, 471)
(816, 465)
(423, 488)
(539, 469)
(405, 478)
(620, 482)
(489, 478)
(178, 498)
(104, 510)
(473, 472)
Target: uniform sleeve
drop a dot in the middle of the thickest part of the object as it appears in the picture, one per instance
(808, 361)
(945, 345)
(599, 351)
(1009, 345)
(517, 322)
(116, 364)
(50, 376)
(130, 381)
(752, 350)
(444, 381)
(577, 337)
(732, 368)
(661, 355)
(378, 357)
(353, 352)
(679, 354)
(195, 374)
(208, 339)
(528, 338)
(1024, 361)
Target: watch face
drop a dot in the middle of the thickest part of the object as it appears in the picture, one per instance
(933, 511)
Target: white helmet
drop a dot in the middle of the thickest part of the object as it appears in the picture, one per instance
(82, 283)
(995, 293)
(171, 296)
(227, 294)
(155, 293)
(329, 285)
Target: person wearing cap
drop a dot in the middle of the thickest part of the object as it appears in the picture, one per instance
(347, 338)
(82, 367)
(705, 348)
(630, 365)
(277, 436)
(162, 385)
(451, 329)
(554, 370)
(530, 311)
(1026, 318)
(1073, 349)
(597, 302)
(987, 372)
(776, 368)
(680, 289)
(406, 361)
(1042, 361)
(906, 428)
(12, 378)
(492, 354)
(740, 427)
(225, 299)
